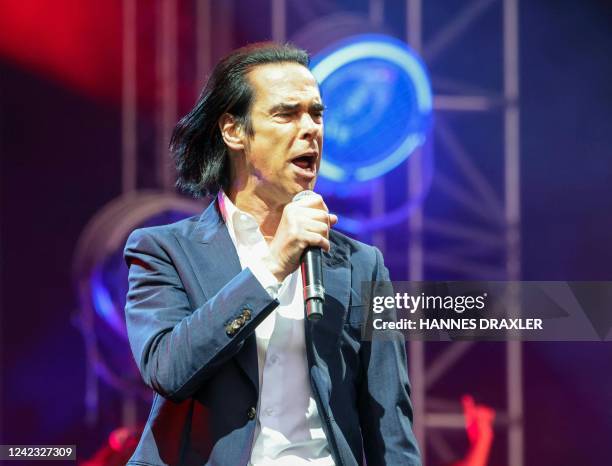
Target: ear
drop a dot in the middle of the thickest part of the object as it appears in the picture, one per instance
(232, 133)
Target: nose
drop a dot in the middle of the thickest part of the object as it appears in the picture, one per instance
(309, 127)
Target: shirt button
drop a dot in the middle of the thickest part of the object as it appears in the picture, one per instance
(251, 413)
(269, 411)
(274, 359)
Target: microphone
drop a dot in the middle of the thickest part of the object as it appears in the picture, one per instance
(311, 265)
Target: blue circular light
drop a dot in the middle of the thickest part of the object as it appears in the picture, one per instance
(379, 102)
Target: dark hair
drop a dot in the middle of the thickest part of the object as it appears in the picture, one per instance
(198, 149)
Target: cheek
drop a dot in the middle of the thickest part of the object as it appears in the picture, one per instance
(265, 157)
(271, 146)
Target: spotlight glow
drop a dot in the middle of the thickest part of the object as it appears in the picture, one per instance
(379, 104)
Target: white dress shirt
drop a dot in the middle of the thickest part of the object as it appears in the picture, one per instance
(289, 430)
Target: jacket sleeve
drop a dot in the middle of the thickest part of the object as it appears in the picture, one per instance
(385, 410)
(177, 347)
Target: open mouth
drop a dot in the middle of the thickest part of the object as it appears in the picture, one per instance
(306, 162)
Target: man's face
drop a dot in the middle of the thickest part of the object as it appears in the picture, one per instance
(283, 156)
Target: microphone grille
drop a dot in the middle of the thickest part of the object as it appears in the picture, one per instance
(303, 194)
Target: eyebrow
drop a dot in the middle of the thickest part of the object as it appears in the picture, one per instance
(315, 107)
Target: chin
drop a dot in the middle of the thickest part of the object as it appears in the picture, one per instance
(305, 185)
(284, 194)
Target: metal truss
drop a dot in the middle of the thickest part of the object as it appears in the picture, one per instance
(433, 416)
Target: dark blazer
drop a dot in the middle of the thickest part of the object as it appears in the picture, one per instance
(191, 315)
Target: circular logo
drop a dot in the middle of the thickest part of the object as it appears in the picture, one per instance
(379, 102)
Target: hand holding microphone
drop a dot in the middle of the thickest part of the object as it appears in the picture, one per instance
(302, 233)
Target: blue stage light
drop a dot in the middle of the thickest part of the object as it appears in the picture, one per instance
(379, 103)
(101, 282)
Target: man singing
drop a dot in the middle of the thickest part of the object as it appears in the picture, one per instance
(215, 308)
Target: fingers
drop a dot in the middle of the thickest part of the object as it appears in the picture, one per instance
(316, 240)
(315, 233)
(315, 226)
(311, 221)
(304, 223)
(316, 202)
(318, 215)
(314, 214)
(313, 201)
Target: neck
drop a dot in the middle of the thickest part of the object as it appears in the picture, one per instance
(267, 212)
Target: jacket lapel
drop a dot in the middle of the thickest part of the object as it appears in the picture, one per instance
(323, 336)
(215, 256)
(337, 275)
(216, 260)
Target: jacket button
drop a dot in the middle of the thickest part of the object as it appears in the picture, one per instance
(251, 413)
